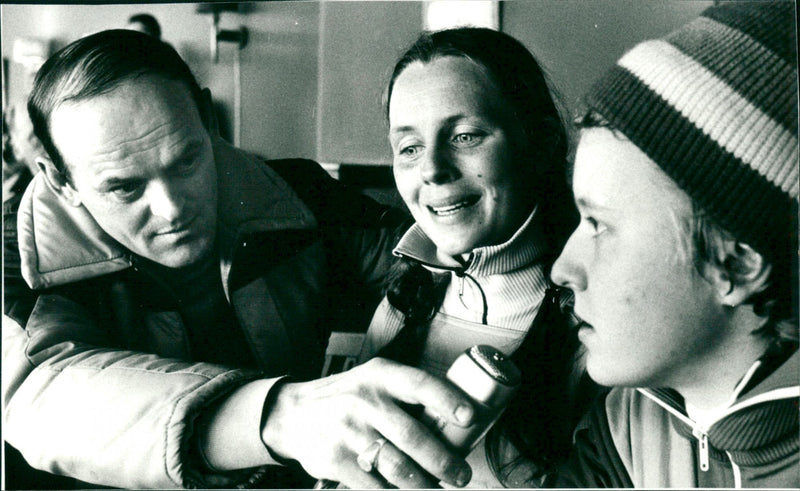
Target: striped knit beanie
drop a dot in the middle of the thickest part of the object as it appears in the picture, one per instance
(714, 104)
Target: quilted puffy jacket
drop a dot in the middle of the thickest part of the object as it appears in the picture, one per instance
(100, 383)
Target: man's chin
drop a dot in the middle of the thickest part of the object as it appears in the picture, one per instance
(184, 257)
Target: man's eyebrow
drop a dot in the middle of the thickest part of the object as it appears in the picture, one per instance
(189, 151)
(112, 182)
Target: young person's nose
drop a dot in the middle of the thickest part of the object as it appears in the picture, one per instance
(567, 270)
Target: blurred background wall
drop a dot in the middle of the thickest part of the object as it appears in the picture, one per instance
(312, 73)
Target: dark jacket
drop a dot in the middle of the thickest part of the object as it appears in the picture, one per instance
(102, 384)
(644, 438)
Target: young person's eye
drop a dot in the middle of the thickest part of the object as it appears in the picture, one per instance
(596, 226)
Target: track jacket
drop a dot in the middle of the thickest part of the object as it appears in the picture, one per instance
(644, 438)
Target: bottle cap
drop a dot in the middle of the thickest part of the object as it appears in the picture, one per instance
(485, 374)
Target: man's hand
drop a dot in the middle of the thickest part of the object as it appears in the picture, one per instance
(325, 424)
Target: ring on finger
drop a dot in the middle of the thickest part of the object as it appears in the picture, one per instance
(368, 459)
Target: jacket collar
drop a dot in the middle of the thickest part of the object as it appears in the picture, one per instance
(771, 377)
(760, 425)
(60, 243)
(527, 245)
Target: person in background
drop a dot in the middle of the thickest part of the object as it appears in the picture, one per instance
(480, 155)
(145, 23)
(20, 149)
(183, 293)
(684, 265)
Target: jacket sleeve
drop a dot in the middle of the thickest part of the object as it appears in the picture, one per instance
(75, 405)
(594, 461)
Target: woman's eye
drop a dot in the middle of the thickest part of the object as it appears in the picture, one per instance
(409, 151)
(465, 138)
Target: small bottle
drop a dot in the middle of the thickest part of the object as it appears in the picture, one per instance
(490, 378)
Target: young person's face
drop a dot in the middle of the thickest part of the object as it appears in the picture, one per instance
(651, 319)
(454, 138)
(142, 164)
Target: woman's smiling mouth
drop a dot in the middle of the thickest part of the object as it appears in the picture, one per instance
(453, 207)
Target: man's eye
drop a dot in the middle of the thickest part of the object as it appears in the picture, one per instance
(184, 166)
(125, 191)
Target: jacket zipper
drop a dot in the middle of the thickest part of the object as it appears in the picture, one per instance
(701, 433)
(702, 440)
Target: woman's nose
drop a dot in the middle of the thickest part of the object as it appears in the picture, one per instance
(567, 270)
(438, 167)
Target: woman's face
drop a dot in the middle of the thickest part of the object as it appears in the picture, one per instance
(455, 143)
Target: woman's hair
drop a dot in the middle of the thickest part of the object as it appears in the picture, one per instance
(150, 24)
(523, 84)
(539, 420)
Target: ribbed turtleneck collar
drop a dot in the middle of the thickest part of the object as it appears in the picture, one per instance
(528, 244)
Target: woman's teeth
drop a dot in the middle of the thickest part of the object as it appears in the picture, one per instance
(451, 209)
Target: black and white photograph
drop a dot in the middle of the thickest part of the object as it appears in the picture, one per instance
(332, 244)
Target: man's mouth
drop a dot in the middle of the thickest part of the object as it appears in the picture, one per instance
(182, 228)
(453, 207)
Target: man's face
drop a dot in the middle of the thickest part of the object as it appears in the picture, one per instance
(651, 319)
(142, 164)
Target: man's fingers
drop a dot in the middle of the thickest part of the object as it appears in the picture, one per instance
(415, 386)
(354, 477)
(420, 444)
(398, 469)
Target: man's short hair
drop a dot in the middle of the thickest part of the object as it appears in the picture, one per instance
(95, 65)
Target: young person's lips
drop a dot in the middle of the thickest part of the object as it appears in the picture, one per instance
(582, 324)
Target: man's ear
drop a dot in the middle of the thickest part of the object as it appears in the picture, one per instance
(58, 181)
(207, 113)
(743, 273)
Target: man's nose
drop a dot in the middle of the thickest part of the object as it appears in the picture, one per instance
(567, 270)
(438, 166)
(166, 201)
